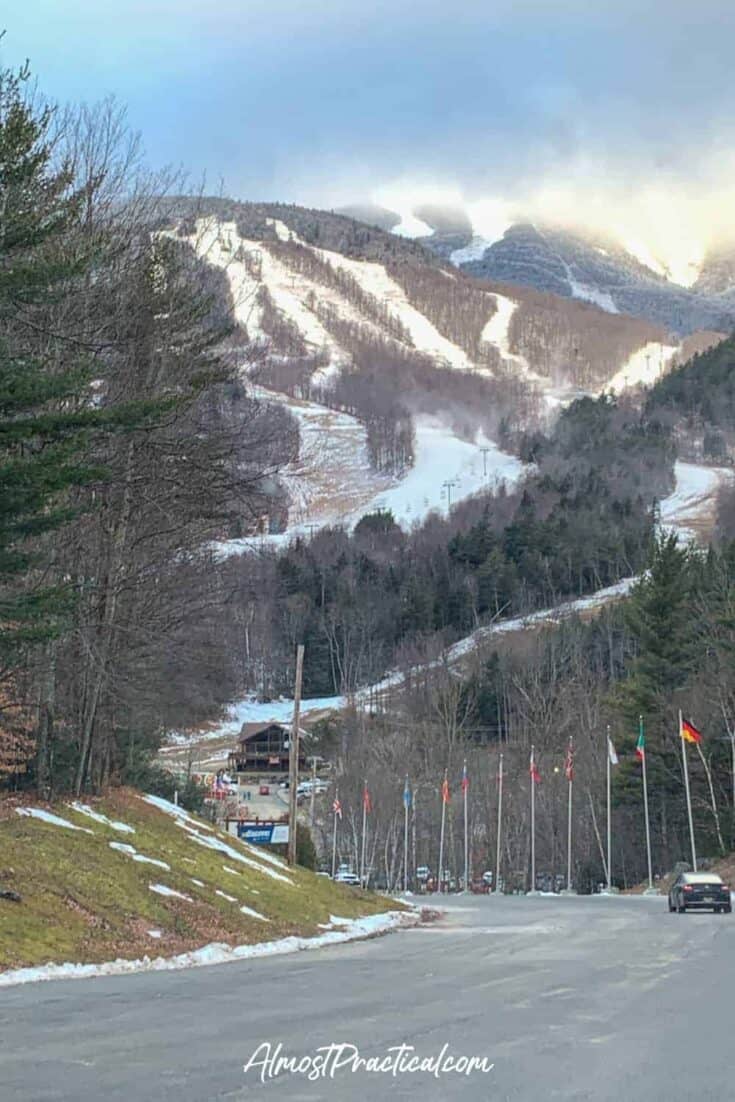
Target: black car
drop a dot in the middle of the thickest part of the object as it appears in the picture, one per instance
(698, 891)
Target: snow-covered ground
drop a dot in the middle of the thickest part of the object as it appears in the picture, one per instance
(693, 500)
(411, 226)
(216, 952)
(442, 457)
(643, 368)
(333, 483)
(691, 503)
(476, 249)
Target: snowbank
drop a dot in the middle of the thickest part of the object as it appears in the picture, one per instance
(214, 953)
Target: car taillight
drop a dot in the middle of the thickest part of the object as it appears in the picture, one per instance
(688, 888)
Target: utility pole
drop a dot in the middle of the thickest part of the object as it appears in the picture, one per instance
(293, 756)
(484, 461)
(448, 486)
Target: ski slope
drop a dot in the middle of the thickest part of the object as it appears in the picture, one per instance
(644, 367)
(333, 484)
(684, 512)
(442, 457)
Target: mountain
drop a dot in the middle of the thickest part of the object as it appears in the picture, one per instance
(318, 283)
(601, 271)
(573, 263)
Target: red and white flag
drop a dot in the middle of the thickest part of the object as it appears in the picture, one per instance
(337, 807)
(366, 801)
(533, 770)
(569, 763)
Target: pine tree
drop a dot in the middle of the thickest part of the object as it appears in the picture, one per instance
(42, 416)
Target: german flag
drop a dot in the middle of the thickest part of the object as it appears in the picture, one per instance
(689, 732)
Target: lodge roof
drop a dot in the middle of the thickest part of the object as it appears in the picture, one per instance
(250, 731)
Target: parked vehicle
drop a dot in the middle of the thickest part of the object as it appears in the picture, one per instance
(699, 891)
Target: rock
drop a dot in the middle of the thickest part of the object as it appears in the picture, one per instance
(11, 895)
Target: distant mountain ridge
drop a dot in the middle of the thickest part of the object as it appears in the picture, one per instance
(574, 263)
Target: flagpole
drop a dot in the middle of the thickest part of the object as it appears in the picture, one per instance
(334, 836)
(533, 827)
(466, 833)
(645, 807)
(609, 822)
(689, 797)
(500, 819)
(441, 836)
(364, 833)
(569, 819)
(405, 837)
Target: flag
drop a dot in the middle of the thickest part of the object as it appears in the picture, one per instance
(366, 801)
(445, 790)
(611, 751)
(689, 732)
(533, 770)
(465, 778)
(406, 795)
(640, 746)
(569, 763)
(337, 807)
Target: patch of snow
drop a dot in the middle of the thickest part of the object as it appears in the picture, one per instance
(411, 226)
(426, 338)
(695, 491)
(283, 233)
(441, 456)
(235, 872)
(130, 851)
(496, 333)
(643, 254)
(229, 898)
(253, 914)
(49, 817)
(162, 889)
(221, 846)
(594, 295)
(199, 883)
(214, 953)
(85, 809)
(644, 367)
(476, 249)
(175, 810)
(154, 934)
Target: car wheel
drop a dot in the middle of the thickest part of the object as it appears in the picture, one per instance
(681, 909)
(728, 910)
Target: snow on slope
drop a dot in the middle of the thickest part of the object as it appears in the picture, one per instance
(333, 483)
(644, 367)
(693, 499)
(426, 338)
(442, 456)
(594, 295)
(474, 251)
(681, 512)
(411, 226)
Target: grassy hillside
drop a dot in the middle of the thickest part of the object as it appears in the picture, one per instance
(84, 899)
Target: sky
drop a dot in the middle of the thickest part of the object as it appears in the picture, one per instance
(620, 112)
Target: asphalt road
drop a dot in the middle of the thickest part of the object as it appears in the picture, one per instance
(596, 998)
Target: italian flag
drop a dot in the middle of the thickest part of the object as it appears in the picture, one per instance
(640, 746)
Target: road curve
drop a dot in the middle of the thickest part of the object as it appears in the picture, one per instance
(569, 998)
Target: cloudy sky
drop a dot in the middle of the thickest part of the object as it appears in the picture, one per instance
(593, 105)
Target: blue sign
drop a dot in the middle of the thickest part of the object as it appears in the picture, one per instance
(257, 835)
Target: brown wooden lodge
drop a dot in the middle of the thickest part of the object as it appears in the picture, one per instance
(262, 748)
